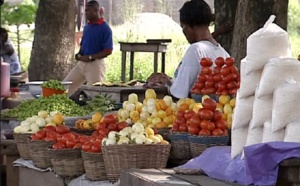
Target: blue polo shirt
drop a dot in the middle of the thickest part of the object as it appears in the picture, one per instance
(96, 37)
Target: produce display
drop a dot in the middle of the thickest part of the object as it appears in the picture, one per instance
(37, 122)
(223, 79)
(226, 105)
(89, 124)
(53, 84)
(100, 103)
(207, 121)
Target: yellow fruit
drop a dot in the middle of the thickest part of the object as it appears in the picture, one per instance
(78, 123)
(133, 98)
(155, 139)
(150, 93)
(169, 111)
(229, 121)
(224, 99)
(232, 102)
(58, 119)
(160, 137)
(219, 105)
(156, 120)
(96, 117)
(95, 125)
(184, 106)
(164, 142)
(161, 114)
(134, 113)
(149, 120)
(180, 101)
(173, 117)
(197, 106)
(170, 126)
(224, 117)
(149, 131)
(161, 125)
(145, 102)
(145, 124)
(204, 98)
(168, 120)
(139, 106)
(191, 106)
(189, 101)
(157, 106)
(163, 105)
(220, 109)
(227, 109)
(88, 124)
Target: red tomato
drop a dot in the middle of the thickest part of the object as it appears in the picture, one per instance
(180, 114)
(229, 61)
(122, 125)
(233, 91)
(34, 137)
(206, 62)
(202, 78)
(49, 128)
(175, 124)
(234, 77)
(77, 145)
(180, 120)
(112, 127)
(231, 85)
(225, 71)
(207, 114)
(210, 90)
(103, 132)
(221, 124)
(209, 104)
(199, 85)
(69, 136)
(189, 114)
(195, 120)
(204, 124)
(183, 128)
(86, 146)
(95, 133)
(217, 77)
(109, 119)
(175, 128)
(102, 125)
(62, 129)
(225, 92)
(70, 143)
(41, 134)
(210, 126)
(217, 115)
(60, 139)
(58, 145)
(193, 129)
(234, 70)
(210, 77)
(222, 86)
(220, 61)
(75, 134)
(218, 92)
(209, 83)
(197, 91)
(217, 70)
(225, 131)
(96, 148)
(204, 91)
(206, 71)
(217, 132)
(83, 139)
(204, 132)
(50, 139)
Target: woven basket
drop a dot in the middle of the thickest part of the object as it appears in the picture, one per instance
(22, 145)
(94, 166)
(199, 144)
(67, 163)
(39, 153)
(180, 146)
(120, 157)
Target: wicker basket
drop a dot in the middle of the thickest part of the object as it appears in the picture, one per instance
(199, 144)
(22, 145)
(94, 166)
(39, 153)
(67, 163)
(180, 146)
(120, 157)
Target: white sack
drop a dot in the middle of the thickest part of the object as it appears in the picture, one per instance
(238, 141)
(254, 137)
(286, 105)
(268, 42)
(269, 136)
(242, 111)
(292, 132)
(276, 72)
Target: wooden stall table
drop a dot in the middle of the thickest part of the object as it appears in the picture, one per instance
(155, 46)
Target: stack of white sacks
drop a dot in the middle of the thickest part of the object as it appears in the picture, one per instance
(267, 108)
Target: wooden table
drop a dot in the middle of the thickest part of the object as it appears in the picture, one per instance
(154, 47)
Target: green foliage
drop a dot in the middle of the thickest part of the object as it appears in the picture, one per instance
(294, 26)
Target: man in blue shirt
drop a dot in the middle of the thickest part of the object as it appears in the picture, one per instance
(96, 44)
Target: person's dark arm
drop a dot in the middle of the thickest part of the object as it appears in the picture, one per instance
(224, 28)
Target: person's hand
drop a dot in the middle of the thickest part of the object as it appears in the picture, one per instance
(84, 58)
(226, 27)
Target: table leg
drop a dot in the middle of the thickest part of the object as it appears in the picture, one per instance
(155, 61)
(163, 58)
(123, 68)
(131, 65)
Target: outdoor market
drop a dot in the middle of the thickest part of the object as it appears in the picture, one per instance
(220, 117)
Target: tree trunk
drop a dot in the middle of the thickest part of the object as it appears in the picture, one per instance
(225, 12)
(53, 46)
(252, 15)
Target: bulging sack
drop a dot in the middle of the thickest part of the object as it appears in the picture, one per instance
(276, 72)
(238, 141)
(292, 132)
(268, 42)
(269, 136)
(254, 137)
(286, 105)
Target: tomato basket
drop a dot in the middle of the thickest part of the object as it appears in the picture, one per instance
(199, 144)
(50, 91)
(39, 153)
(22, 145)
(94, 166)
(180, 149)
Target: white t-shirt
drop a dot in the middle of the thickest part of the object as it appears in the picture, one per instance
(13, 60)
(190, 67)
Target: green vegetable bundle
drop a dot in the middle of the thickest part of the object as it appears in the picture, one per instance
(54, 84)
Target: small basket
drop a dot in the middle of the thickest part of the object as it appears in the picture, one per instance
(180, 146)
(199, 144)
(67, 163)
(50, 91)
(39, 153)
(22, 145)
(94, 166)
(165, 133)
(145, 156)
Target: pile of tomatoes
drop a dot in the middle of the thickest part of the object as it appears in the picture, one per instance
(206, 122)
(223, 79)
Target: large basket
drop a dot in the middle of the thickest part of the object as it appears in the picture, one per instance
(199, 144)
(67, 163)
(120, 157)
(94, 166)
(22, 145)
(180, 146)
(39, 153)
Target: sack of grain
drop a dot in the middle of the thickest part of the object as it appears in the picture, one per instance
(254, 137)
(276, 72)
(286, 105)
(238, 141)
(268, 42)
(262, 111)
(269, 136)
(292, 132)
(249, 82)
(242, 111)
